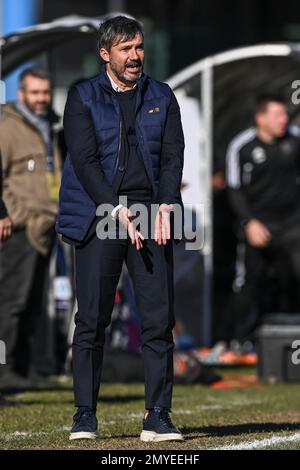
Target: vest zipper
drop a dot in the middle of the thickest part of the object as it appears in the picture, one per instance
(119, 147)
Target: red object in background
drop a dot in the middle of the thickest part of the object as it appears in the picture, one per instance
(118, 297)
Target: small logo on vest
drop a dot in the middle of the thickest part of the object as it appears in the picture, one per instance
(258, 155)
(154, 110)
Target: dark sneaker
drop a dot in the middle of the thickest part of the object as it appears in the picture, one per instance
(85, 425)
(157, 427)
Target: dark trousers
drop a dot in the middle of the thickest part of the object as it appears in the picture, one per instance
(23, 297)
(98, 268)
(265, 276)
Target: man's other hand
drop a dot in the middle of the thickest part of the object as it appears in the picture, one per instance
(162, 232)
(125, 217)
(6, 228)
(257, 234)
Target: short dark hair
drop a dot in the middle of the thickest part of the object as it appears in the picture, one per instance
(118, 27)
(33, 72)
(263, 100)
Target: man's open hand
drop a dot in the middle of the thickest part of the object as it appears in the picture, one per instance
(125, 217)
(257, 234)
(162, 231)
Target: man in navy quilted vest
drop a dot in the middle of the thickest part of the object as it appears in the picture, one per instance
(125, 150)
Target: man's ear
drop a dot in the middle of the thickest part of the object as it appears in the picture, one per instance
(104, 54)
(21, 94)
(259, 117)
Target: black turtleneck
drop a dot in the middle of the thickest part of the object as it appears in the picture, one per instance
(131, 179)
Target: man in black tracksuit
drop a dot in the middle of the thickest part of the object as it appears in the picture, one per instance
(263, 190)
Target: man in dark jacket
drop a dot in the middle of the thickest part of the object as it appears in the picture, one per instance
(31, 176)
(124, 136)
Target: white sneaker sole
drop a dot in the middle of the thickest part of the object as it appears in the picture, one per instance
(151, 436)
(84, 435)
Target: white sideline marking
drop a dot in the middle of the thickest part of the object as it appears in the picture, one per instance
(258, 444)
(25, 434)
(248, 445)
(217, 406)
(21, 434)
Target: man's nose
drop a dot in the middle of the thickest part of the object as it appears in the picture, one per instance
(133, 55)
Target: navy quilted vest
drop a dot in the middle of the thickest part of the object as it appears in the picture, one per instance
(76, 209)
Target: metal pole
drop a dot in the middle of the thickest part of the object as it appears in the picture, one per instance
(2, 84)
(207, 108)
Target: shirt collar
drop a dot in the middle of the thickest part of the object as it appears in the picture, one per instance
(115, 86)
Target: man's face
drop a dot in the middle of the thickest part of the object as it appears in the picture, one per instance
(36, 94)
(274, 119)
(125, 59)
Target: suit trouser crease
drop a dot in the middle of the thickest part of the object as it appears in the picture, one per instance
(98, 269)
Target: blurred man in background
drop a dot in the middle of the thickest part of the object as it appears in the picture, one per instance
(31, 177)
(263, 190)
